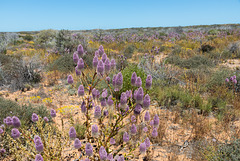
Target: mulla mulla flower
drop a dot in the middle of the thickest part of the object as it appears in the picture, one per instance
(156, 121)
(133, 79)
(53, 113)
(94, 130)
(77, 143)
(143, 147)
(38, 157)
(125, 137)
(34, 117)
(39, 145)
(119, 81)
(89, 149)
(147, 142)
(72, 133)
(70, 79)
(147, 116)
(95, 62)
(100, 67)
(83, 107)
(80, 50)
(81, 90)
(8, 121)
(103, 102)
(36, 137)
(139, 95)
(102, 153)
(138, 82)
(146, 102)
(137, 109)
(97, 112)
(154, 133)
(75, 57)
(112, 141)
(46, 119)
(77, 71)
(104, 57)
(107, 66)
(123, 100)
(110, 101)
(101, 50)
(15, 133)
(133, 129)
(16, 122)
(80, 64)
(149, 82)
(113, 64)
(104, 93)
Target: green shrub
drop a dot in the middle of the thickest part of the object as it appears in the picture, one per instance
(127, 74)
(193, 62)
(175, 95)
(80, 130)
(63, 64)
(128, 52)
(217, 78)
(223, 152)
(24, 113)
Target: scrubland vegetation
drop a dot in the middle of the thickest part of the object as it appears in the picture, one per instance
(126, 94)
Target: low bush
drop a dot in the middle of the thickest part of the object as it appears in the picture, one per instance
(24, 112)
(193, 62)
(63, 64)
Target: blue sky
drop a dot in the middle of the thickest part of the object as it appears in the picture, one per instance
(29, 15)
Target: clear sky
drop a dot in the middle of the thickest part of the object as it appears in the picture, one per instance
(29, 15)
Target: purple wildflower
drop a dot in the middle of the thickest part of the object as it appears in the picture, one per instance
(34, 117)
(104, 57)
(102, 153)
(147, 142)
(142, 147)
(46, 119)
(77, 143)
(100, 67)
(70, 79)
(15, 133)
(146, 101)
(75, 57)
(39, 145)
(16, 122)
(154, 133)
(80, 64)
(137, 109)
(97, 112)
(38, 157)
(83, 107)
(89, 149)
(149, 82)
(8, 121)
(125, 137)
(81, 90)
(112, 141)
(72, 133)
(133, 129)
(53, 113)
(138, 82)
